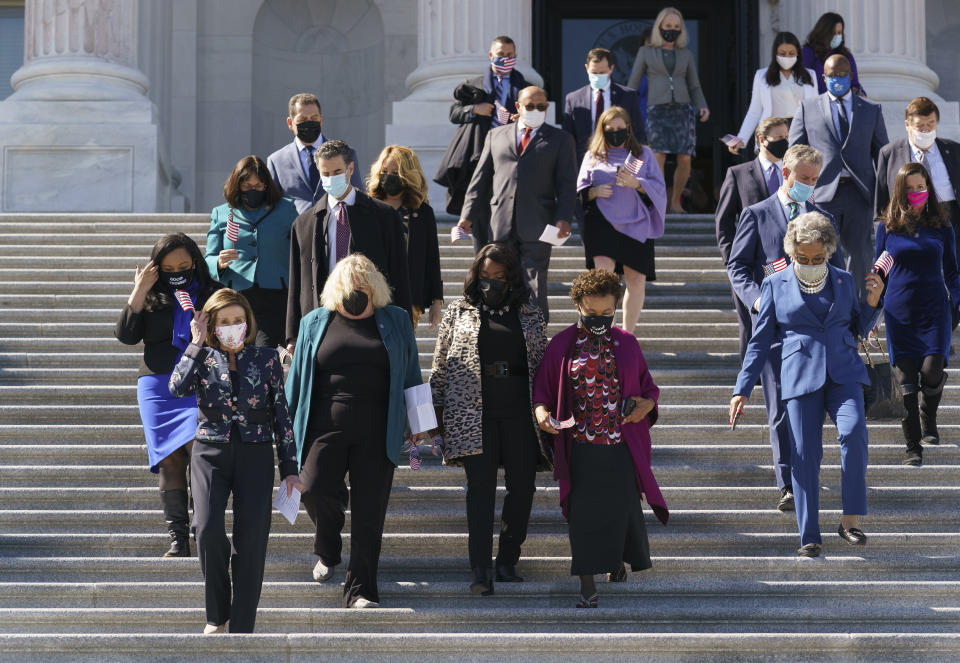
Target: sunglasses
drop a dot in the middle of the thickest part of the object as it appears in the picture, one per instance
(536, 107)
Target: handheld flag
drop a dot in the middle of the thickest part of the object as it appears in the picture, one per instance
(633, 164)
(776, 266)
(883, 264)
(233, 228)
(183, 297)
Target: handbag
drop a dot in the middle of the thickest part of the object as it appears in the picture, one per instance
(883, 399)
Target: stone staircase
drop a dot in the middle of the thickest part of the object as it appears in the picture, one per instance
(81, 530)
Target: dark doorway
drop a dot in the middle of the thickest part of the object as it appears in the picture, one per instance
(723, 35)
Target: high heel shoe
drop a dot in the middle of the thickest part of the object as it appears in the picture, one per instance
(592, 601)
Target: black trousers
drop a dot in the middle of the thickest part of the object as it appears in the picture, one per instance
(360, 451)
(270, 311)
(513, 444)
(246, 470)
(535, 263)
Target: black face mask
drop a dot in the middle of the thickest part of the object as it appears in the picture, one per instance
(598, 325)
(493, 292)
(669, 35)
(778, 147)
(391, 184)
(178, 280)
(356, 302)
(616, 138)
(253, 198)
(309, 131)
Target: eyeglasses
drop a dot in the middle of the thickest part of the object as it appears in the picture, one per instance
(804, 260)
(536, 107)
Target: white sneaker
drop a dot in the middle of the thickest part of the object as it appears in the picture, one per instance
(211, 629)
(322, 572)
(364, 603)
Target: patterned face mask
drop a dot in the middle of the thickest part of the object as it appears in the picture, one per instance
(231, 336)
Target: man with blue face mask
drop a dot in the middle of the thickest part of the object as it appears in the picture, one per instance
(344, 220)
(849, 132)
(758, 249)
(584, 105)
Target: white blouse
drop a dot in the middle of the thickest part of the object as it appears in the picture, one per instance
(786, 97)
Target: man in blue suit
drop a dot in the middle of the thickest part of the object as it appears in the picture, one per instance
(849, 132)
(758, 243)
(583, 106)
(292, 166)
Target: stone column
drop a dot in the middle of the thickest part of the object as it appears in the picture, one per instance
(453, 41)
(79, 134)
(888, 39)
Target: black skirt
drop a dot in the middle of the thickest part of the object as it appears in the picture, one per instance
(270, 310)
(600, 238)
(606, 515)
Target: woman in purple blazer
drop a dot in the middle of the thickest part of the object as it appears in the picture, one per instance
(594, 394)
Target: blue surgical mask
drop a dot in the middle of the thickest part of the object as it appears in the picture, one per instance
(335, 185)
(838, 85)
(800, 192)
(598, 81)
(835, 41)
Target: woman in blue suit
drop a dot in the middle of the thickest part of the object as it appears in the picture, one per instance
(257, 263)
(812, 309)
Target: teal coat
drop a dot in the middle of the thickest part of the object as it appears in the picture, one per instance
(263, 243)
(397, 334)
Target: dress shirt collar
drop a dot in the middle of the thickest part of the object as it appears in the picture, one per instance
(846, 99)
(347, 200)
(521, 127)
(300, 144)
(932, 151)
(767, 165)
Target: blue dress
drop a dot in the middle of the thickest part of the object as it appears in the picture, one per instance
(921, 283)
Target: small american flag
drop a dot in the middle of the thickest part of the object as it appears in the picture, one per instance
(233, 229)
(883, 264)
(632, 164)
(415, 461)
(504, 66)
(184, 298)
(777, 265)
(457, 233)
(503, 115)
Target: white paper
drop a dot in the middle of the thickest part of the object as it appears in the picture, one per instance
(420, 413)
(551, 235)
(288, 506)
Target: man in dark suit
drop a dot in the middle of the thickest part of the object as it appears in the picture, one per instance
(748, 184)
(940, 156)
(293, 167)
(584, 105)
(527, 172)
(345, 220)
(758, 243)
(848, 131)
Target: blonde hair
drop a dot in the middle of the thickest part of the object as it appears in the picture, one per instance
(353, 271)
(656, 40)
(801, 153)
(409, 170)
(225, 298)
(598, 143)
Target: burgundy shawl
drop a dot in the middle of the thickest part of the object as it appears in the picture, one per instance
(553, 387)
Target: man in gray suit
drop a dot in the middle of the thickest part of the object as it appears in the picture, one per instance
(292, 166)
(849, 132)
(527, 175)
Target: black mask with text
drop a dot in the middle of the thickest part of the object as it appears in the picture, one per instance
(598, 325)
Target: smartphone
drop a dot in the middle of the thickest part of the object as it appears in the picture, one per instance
(736, 419)
(629, 405)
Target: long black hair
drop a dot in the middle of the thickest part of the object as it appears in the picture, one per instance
(800, 72)
(821, 34)
(160, 296)
(502, 254)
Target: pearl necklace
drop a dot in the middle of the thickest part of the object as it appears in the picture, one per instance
(812, 288)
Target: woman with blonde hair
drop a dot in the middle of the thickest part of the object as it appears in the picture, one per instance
(624, 202)
(397, 179)
(242, 409)
(674, 97)
(355, 355)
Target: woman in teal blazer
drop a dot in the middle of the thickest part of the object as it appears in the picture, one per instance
(248, 245)
(354, 357)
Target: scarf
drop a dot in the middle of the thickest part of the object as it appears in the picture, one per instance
(181, 318)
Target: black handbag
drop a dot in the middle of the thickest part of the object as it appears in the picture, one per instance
(883, 399)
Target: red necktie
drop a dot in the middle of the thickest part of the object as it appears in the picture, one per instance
(599, 107)
(526, 139)
(343, 232)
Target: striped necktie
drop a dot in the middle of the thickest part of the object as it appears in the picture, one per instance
(343, 232)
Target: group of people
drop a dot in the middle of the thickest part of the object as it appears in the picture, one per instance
(312, 271)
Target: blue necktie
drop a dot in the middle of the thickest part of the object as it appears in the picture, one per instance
(314, 173)
(844, 122)
(773, 182)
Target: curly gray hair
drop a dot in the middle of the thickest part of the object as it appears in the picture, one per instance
(810, 228)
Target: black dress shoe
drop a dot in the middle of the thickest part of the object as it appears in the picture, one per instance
(809, 550)
(913, 458)
(786, 499)
(507, 573)
(854, 536)
(482, 582)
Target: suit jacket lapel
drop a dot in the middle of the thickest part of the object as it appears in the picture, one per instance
(534, 139)
(824, 103)
(792, 287)
(293, 156)
(759, 178)
(837, 280)
(514, 137)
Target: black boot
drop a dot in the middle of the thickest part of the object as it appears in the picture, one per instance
(911, 426)
(929, 402)
(178, 522)
(482, 581)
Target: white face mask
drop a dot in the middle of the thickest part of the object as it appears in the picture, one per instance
(534, 118)
(810, 273)
(231, 336)
(785, 62)
(924, 139)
